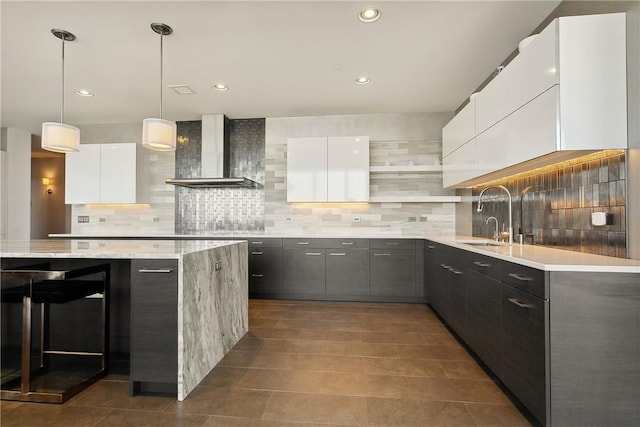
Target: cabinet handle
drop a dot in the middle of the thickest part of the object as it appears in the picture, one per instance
(521, 278)
(481, 264)
(257, 253)
(257, 275)
(456, 272)
(337, 254)
(381, 254)
(348, 243)
(303, 243)
(392, 243)
(314, 253)
(431, 246)
(257, 243)
(155, 270)
(520, 304)
(445, 266)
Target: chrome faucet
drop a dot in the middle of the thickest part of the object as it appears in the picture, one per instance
(502, 187)
(496, 233)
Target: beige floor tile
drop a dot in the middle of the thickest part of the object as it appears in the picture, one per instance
(271, 360)
(433, 352)
(45, 414)
(440, 340)
(327, 363)
(496, 415)
(222, 376)
(283, 333)
(463, 369)
(329, 335)
(392, 337)
(238, 358)
(225, 401)
(409, 367)
(318, 408)
(129, 418)
(249, 343)
(388, 386)
(446, 414)
(219, 421)
(7, 407)
(394, 412)
(280, 380)
(457, 390)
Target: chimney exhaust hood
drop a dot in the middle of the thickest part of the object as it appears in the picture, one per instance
(215, 158)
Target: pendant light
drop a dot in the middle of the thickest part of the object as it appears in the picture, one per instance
(61, 137)
(159, 134)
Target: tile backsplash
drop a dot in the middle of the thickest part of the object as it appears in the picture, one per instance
(552, 206)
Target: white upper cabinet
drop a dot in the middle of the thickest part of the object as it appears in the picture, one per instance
(348, 169)
(460, 165)
(105, 173)
(564, 95)
(460, 129)
(328, 169)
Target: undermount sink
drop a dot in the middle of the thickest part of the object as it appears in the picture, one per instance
(484, 243)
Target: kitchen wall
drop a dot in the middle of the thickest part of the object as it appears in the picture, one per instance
(48, 211)
(157, 217)
(552, 206)
(15, 205)
(397, 138)
(214, 210)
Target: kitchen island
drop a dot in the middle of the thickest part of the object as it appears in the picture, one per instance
(188, 300)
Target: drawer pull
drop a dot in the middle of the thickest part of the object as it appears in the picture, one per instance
(520, 304)
(445, 266)
(520, 277)
(155, 270)
(456, 272)
(257, 243)
(337, 254)
(257, 275)
(431, 246)
(481, 264)
(314, 253)
(348, 243)
(257, 253)
(381, 254)
(392, 243)
(303, 243)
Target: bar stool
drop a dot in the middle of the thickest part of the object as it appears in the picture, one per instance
(46, 287)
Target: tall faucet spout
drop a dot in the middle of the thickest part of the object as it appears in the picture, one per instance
(479, 209)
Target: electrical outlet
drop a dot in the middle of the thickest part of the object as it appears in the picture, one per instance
(355, 219)
(218, 266)
(83, 245)
(288, 219)
(83, 218)
(156, 219)
(412, 219)
(103, 220)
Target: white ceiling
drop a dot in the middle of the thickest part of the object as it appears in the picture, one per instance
(290, 58)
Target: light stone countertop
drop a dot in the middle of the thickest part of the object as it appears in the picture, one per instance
(540, 257)
(112, 249)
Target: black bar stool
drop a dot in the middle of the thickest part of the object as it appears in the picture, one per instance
(46, 287)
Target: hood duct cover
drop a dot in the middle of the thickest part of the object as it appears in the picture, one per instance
(215, 158)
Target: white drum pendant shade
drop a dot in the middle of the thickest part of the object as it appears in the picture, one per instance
(60, 137)
(159, 134)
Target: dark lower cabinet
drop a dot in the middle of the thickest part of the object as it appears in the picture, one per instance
(265, 271)
(154, 322)
(439, 294)
(457, 284)
(347, 272)
(393, 272)
(523, 348)
(303, 272)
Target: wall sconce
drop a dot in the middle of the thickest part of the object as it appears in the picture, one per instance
(47, 182)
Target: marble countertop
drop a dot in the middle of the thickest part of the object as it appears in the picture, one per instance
(112, 249)
(541, 257)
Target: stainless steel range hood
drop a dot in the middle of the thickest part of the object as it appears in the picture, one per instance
(215, 158)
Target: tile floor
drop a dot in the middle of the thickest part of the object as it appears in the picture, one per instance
(310, 364)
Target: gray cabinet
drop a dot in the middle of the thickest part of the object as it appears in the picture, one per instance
(303, 272)
(154, 322)
(393, 272)
(265, 267)
(347, 272)
(457, 283)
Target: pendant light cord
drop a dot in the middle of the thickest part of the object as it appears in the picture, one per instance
(161, 67)
(62, 97)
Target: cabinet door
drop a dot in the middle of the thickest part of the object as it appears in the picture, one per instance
(460, 130)
(524, 324)
(460, 165)
(154, 321)
(392, 272)
(439, 294)
(348, 169)
(303, 271)
(307, 169)
(455, 279)
(348, 272)
(82, 175)
(484, 319)
(265, 271)
(118, 173)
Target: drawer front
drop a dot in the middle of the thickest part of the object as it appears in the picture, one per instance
(348, 272)
(528, 279)
(392, 244)
(267, 282)
(265, 259)
(304, 243)
(392, 272)
(487, 266)
(264, 243)
(303, 271)
(346, 243)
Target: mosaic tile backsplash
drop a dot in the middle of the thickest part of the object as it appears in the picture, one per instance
(552, 206)
(210, 210)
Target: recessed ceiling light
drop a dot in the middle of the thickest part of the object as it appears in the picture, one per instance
(362, 80)
(369, 14)
(181, 89)
(84, 92)
(221, 87)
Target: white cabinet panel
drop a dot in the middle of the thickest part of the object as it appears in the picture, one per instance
(460, 129)
(307, 169)
(82, 175)
(529, 74)
(348, 169)
(118, 173)
(459, 166)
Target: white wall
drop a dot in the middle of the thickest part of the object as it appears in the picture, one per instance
(17, 181)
